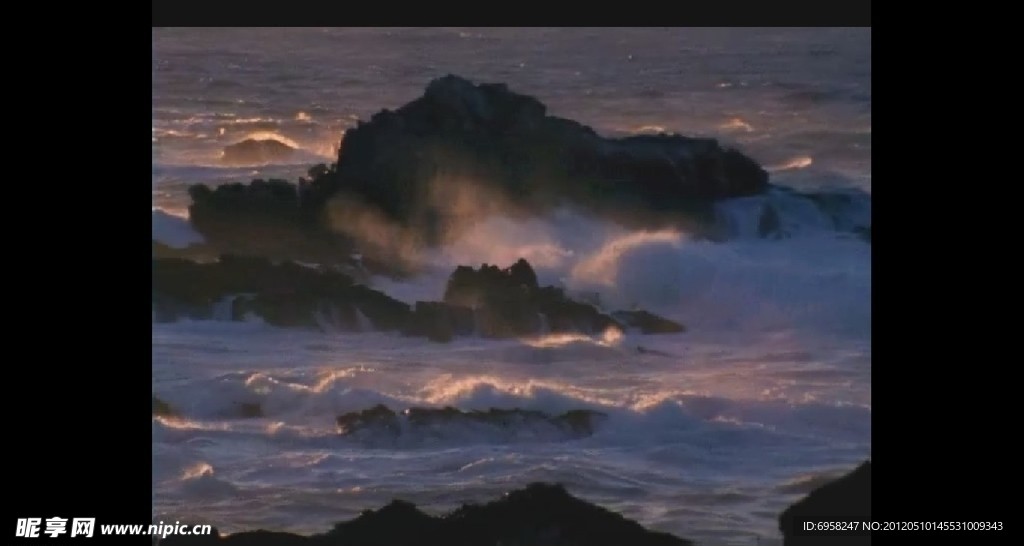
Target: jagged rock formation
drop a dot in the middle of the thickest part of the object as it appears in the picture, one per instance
(511, 303)
(382, 420)
(404, 162)
(490, 302)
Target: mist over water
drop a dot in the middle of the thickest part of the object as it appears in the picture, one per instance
(711, 433)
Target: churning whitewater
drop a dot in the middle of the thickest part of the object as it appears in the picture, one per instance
(708, 434)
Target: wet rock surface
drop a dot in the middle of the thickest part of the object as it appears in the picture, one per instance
(380, 419)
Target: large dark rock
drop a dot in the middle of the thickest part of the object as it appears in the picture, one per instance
(433, 167)
(256, 151)
(537, 515)
(845, 499)
(401, 161)
(511, 423)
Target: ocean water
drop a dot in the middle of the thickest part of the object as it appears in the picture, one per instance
(711, 433)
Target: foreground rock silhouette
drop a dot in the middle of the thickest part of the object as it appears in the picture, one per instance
(845, 499)
(537, 515)
(489, 301)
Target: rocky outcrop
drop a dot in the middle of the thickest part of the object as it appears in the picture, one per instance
(489, 301)
(427, 167)
(845, 499)
(507, 145)
(537, 515)
(510, 303)
(381, 420)
(256, 151)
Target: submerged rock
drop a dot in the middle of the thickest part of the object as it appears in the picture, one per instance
(539, 514)
(448, 420)
(845, 499)
(256, 151)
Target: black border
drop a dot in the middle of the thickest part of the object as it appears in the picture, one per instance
(742, 13)
(78, 440)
